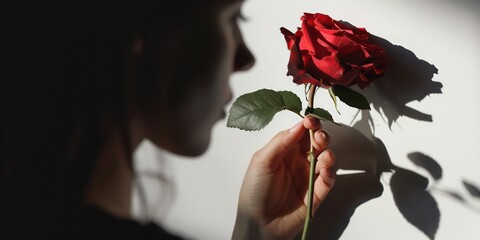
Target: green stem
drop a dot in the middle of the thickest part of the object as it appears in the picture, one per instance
(311, 177)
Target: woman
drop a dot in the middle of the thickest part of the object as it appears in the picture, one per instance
(82, 84)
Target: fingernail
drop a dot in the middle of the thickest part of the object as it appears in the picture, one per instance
(330, 173)
(295, 126)
(322, 134)
(325, 137)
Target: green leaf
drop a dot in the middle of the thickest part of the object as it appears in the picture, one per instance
(292, 101)
(322, 114)
(351, 97)
(253, 111)
(334, 98)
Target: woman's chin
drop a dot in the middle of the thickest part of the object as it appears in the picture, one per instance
(191, 149)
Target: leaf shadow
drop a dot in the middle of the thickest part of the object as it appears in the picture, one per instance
(414, 202)
(428, 163)
(472, 189)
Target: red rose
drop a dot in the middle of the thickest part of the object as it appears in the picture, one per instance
(326, 52)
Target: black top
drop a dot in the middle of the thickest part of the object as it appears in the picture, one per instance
(98, 224)
(87, 223)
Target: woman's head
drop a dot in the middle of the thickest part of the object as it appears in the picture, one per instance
(182, 86)
(74, 72)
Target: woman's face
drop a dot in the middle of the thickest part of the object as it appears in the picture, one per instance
(187, 84)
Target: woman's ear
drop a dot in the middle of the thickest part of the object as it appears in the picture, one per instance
(137, 46)
(134, 69)
(136, 60)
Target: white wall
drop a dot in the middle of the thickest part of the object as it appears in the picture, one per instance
(199, 199)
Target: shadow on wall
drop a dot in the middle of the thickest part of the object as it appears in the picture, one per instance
(406, 79)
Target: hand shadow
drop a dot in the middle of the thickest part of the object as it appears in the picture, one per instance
(354, 151)
(334, 214)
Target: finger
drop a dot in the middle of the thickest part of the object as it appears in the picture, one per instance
(312, 123)
(320, 140)
(326, 159)
(279, 145)
(325, 179)
(323, 185)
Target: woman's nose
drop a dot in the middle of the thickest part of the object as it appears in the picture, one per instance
(244, 59)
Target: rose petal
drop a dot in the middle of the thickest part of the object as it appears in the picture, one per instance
(331, 37)
(311, 43)
(351, 54)
(308, 40)
(330, 66)
(289, 37)
(348, 78)
(296, 67)
(323, 20)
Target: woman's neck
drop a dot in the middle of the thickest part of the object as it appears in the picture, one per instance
(110, 185)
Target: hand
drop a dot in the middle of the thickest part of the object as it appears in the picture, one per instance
(273, 197)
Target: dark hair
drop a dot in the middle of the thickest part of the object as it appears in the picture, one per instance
(62, 74)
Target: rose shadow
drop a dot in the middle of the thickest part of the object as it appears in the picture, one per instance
(407, 78)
